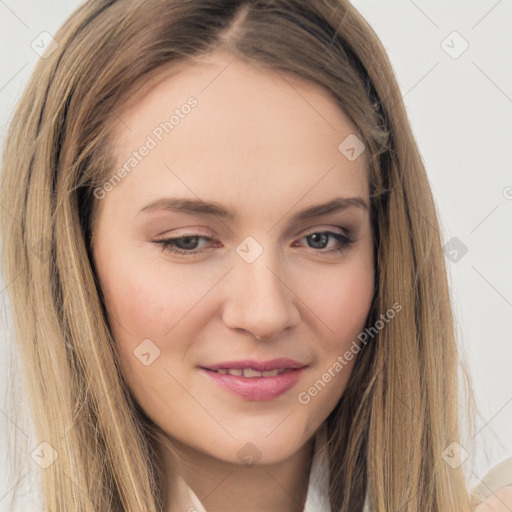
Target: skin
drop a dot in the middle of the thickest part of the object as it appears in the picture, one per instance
(265, 145)
(499, 501)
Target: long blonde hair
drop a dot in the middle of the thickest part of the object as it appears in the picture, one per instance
(401, 406)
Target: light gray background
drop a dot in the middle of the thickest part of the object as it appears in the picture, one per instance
(461, 113)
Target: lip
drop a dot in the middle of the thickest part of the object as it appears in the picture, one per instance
(261, 366)
(256, 388)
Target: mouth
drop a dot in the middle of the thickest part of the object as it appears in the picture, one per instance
(250, 372)
(257, 381)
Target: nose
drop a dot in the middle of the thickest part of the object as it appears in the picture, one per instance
(260, 298)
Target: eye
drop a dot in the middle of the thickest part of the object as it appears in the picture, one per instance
(189, 243)
(320, 239)
(184, 245)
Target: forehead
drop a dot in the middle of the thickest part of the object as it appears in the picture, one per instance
(251, 129)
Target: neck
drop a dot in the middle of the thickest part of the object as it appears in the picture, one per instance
(227, 487)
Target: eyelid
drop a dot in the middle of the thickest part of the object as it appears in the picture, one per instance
(323, 227)
(184, 232)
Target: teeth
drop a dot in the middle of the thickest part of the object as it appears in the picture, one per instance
(250, 373)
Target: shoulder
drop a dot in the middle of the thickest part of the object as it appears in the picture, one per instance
(498, 501)
(494, 492)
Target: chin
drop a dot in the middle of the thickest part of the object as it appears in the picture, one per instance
(263, 447)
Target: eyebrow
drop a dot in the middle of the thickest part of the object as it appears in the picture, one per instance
(198, 207)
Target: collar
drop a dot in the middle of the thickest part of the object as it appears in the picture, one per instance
(317, 498)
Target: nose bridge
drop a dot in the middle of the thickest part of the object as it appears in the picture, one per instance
(259, 298)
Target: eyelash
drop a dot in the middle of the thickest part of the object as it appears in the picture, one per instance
(169, 243)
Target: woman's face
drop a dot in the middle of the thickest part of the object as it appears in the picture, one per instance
(237, 166)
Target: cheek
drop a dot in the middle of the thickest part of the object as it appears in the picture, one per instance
(147, 301)
(134, 305)
(145, 311)
(340, 299)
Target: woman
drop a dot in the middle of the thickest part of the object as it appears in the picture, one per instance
(229, 272)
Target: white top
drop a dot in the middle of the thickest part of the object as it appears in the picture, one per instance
(317, 498)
